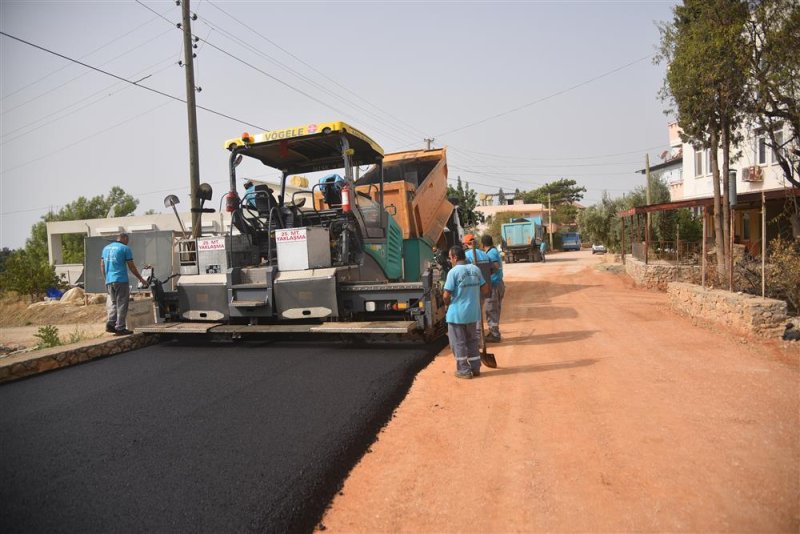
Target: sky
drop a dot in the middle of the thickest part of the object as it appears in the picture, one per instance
(521, 93)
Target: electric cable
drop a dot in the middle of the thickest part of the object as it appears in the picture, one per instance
(548, 97)
(300, 60)
(109, 43)
(53, 89)
(64, 113)
(173, 97)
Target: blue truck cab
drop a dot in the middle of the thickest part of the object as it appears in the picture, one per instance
(571, 241)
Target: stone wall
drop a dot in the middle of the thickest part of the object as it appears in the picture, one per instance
(31, 363)
(741, 312)
(658, 275)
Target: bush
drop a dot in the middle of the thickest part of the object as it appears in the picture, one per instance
(48, 336)
(784, 267)
(28, 275)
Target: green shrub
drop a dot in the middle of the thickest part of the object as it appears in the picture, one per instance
(48, 336)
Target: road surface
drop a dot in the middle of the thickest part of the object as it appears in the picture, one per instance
(225, 438)
(608, 414)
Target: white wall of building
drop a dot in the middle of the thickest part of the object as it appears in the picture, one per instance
(756, 170)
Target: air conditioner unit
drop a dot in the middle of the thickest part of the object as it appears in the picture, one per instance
(752, 174)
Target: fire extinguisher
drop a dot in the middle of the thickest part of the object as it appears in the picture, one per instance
(231, 201)
(346, 197)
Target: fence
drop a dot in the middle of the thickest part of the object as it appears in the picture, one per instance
(682, 262)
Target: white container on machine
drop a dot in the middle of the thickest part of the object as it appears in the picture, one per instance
(303, 248)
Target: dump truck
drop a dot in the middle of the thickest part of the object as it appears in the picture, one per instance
(521, 238)
(354, 255)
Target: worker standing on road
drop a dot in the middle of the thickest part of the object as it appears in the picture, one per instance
(543, 248)
(115, 261)
(478, 257)
(462, 293)
(494, 303)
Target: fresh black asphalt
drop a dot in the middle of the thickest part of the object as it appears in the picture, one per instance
(195, 438)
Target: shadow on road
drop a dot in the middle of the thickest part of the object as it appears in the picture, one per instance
(546, 290)
(546, 339)
(539, 367)
(544, 312)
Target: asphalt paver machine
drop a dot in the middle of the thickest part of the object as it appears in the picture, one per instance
(353, 255)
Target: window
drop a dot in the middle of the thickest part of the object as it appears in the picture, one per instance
(765, 156)
(761, 150)
(698, 163)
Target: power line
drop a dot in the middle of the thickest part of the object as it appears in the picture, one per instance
(303, 78)
(63, 113)
(37, 97)
(565, 158)
(316, 70)
(553, 95)
(287, 68)
(92, 136)
(116, 39)
(128, 81)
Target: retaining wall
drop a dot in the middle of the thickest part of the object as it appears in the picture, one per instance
(658, 275)
(741, 312)
(31, 363)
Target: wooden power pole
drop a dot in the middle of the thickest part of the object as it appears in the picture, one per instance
(647, 173)
(550, 221)
(191, 109)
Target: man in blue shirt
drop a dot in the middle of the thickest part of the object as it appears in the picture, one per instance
(478, 256)
(462, 293)
(494, 303)
(115, 261)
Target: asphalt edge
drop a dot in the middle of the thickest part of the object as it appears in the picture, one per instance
(31, 363)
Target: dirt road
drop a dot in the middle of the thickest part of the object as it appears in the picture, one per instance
(607, 413)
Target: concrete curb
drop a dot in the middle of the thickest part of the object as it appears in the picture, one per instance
(40, 361)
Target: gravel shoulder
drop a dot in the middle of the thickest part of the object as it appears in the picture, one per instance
(607, 413)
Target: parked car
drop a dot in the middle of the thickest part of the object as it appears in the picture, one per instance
(597, 248)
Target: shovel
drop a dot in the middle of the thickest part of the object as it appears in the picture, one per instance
(487, 358)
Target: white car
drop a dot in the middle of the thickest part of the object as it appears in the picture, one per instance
(597, 248)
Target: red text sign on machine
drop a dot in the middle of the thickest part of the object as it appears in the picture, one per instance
(288, 235)
(211, 244)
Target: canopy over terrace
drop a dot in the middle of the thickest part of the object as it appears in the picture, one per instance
(743, 200)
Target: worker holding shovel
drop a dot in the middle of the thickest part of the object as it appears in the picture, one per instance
(462, 295)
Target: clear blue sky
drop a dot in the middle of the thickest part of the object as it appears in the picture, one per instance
(521, 93)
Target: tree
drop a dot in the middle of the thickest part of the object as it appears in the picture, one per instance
(561, 196)
(501, 197)
(467, 201)
(117, 203)
(705, 49)
(773, 96)
(563, 191)
(599, 223)
(4, 255)
(27, 275)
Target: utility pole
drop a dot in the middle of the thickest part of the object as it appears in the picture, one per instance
(647, 173)
(429, 142)
(550, 221)
(191, 109)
